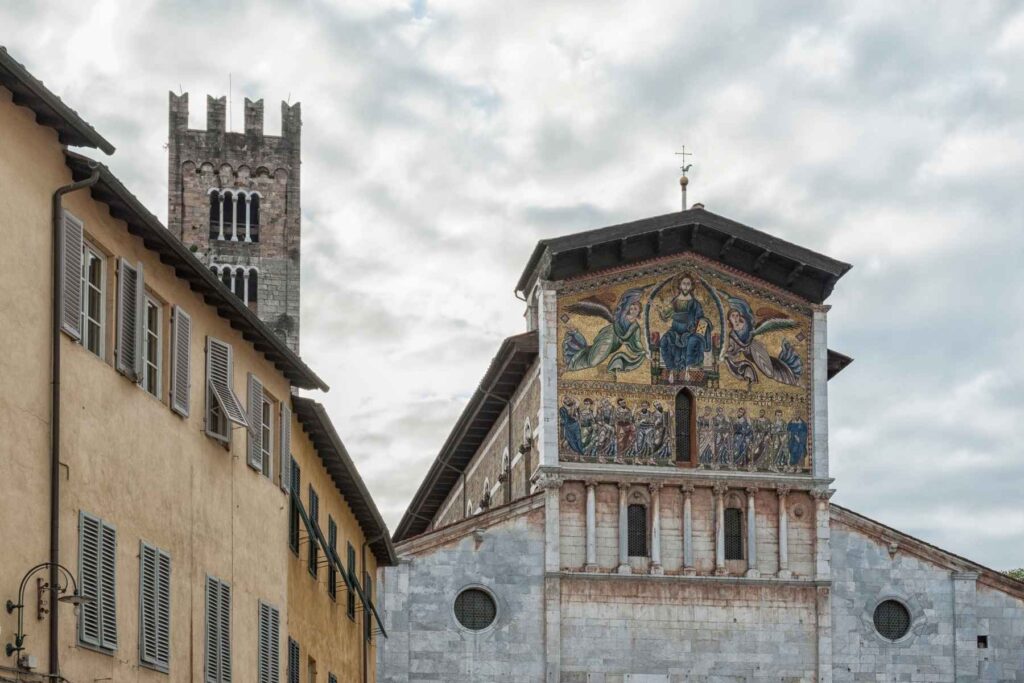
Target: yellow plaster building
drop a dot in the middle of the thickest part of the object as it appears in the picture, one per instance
(156, 460)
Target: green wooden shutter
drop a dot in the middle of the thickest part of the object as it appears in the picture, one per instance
(314, 520)
(72, 244)
(286, 445)
(181, 362)
(255, 442)
(89, 533)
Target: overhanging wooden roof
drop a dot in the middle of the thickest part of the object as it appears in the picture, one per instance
(50, 110)
(786, 265)
(316, 423)
(141, 223)
(503, 377)
(837, 362)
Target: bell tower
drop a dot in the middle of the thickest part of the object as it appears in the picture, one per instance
(233, 199)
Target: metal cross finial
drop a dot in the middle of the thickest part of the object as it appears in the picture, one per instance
(685, 167)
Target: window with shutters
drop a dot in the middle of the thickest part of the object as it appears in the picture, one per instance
(268, 668)
(222, 405)
(181, 361)
(154, 607)
(733, 534)
(684, 427)
(255, 438)
(332, 543)
(97, 579)
(93, 294)
(352, 582)
(218, 631)
(267, 440)
(636, 527)
(314, 519)
(152, 347)
(293, 661)
(293, 515)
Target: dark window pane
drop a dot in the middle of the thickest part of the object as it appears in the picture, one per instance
(214, 215)
(636, 517)
(240, 283)
(733, 534)
(254, 281)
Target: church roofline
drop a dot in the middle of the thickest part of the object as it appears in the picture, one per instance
(504, 375)
(126, 207)
(318, 426)
(926, 551)
(800, 271)
(49, 109)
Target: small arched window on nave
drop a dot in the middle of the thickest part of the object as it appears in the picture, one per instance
(684, 427)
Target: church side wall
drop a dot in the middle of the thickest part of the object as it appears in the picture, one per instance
(949, 610)
(486, 467)
(425, 642)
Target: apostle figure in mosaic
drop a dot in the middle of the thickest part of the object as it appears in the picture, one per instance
(759, 443)
(588, 424)
(705, 439)
(643, 443)
(620, 342)
(684, 344)
(776, 457)
(722, 427)
(625, 430)
(797, 442)
(603, 447)
(742, 435)
(569, 422)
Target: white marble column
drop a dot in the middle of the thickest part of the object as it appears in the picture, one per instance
(220, 209)
(248, 219)
(784, 572)
(234, 217)
(688, 566)
(752, 570)
(623, 530)
(719, 491)
(245, 285)
(656, 567)
(591, 565)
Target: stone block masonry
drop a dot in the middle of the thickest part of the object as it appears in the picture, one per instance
(267, 166)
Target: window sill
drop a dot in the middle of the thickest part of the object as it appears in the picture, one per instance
(155, 667)
(97, 649)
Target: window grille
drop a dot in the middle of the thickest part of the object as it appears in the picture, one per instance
(636, 518)
(475, 609)
(733, 534)
(684, 414)
(892, 619)
(155, 607)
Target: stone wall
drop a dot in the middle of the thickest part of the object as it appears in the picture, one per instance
(425, 642)
(950, 609)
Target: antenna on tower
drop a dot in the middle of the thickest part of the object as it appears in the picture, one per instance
(229, 101)
(683, 180)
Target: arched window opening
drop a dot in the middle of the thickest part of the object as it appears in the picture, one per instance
(225, 277)
(213, 269)
(636, 526)
(227, 216)
(733, 534)
(254, 280)
(239, 283)
(216, 227)
(684, 427)
(254, 217)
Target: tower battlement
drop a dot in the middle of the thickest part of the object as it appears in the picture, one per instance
(234, 199)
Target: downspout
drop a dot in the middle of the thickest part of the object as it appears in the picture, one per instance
(56, 310)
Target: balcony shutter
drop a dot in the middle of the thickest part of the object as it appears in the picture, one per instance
(130, 300)
(269, 636)
(181, 362)
(286, 445)
(255, 423)
(89, 533)
(219, 371)
(155, 607)
(71, 276)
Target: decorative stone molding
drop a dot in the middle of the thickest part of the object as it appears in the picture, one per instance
(822, 493)
(720, 488)
(624, 485)
(686, 489)
(590, 483)
(751, 490)
(549, 481)
(783, 490)
(655, 487)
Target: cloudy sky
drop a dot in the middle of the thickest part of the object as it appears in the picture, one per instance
(441, 141)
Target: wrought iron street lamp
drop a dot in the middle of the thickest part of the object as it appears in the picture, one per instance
(74, 598)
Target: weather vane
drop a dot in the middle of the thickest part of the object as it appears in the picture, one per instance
(683, 180)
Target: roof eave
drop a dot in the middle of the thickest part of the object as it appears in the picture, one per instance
(50, 110)
(125, 206)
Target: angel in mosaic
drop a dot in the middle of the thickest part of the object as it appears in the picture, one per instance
(745, 355)
(620, 342)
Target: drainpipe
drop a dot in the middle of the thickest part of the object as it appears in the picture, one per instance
(58, 255)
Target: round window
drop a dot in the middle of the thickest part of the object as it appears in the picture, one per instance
(475, 609)
(892, 619)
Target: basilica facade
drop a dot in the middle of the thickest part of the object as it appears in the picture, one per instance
(638, 491)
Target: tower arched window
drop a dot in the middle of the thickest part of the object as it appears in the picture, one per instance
(253, 286)
(684, 427)
(234, 215)
(225, 276)
(227, 216)
(254, 217)
(733, 533)
(216, 225)
(239, 283)
(636, 527)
